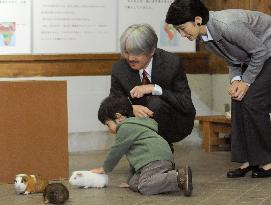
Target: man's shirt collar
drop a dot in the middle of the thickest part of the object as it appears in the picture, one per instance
(148, 69)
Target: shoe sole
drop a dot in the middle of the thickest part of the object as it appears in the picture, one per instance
(188, 183)
(259, 176)
(229, 176)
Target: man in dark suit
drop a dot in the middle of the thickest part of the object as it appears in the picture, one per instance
(155, 82)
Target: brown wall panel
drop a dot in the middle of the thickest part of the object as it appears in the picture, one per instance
(216, 5)
(34, 129)
(233, 4)
(261, 5)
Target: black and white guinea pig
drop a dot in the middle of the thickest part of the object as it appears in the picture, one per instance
(55, 193)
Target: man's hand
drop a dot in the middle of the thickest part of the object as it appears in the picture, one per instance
(141, 90)
(142, 111)
(238, 90)
(98, 170)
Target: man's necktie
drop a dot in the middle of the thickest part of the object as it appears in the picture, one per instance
(145, 79)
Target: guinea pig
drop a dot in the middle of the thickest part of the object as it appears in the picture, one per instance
(26, 184)
(88, 179)
(55, 193)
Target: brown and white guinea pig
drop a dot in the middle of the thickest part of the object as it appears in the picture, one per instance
(26, 184)
(55, 193)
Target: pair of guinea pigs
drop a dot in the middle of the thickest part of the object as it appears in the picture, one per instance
(57, 193)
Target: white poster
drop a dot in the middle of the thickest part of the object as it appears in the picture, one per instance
(153, 12)
(15, 26)
(74, 26)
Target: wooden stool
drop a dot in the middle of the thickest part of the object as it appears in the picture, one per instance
(210, 127)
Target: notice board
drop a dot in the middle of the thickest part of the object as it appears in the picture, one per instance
(81, 26)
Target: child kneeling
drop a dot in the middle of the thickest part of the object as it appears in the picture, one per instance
(148, 153)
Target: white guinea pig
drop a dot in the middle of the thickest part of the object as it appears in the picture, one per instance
(87, 179)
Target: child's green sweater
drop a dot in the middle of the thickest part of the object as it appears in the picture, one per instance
(137, 138)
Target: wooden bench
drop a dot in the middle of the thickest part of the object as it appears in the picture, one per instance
(210, 127)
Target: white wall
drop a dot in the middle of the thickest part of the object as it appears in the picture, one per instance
(84, 95)
(209, 94)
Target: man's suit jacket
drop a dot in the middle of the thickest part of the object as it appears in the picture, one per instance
(167, 72)
(242, 36)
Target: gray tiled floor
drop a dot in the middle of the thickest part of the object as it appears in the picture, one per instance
(210, 184)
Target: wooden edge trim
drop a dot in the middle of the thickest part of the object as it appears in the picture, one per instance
(104, 56)
(82, 64)
(213, 118)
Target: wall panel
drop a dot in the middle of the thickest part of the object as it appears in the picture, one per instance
(82, 64)
(261, 5)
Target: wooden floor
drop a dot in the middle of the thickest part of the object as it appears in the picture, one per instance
(211, 187)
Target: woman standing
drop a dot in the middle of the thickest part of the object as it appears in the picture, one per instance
(243, 39)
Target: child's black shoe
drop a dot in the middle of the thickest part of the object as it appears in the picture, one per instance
(184, 179)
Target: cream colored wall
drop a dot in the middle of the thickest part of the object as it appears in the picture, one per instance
(209, 92)
(85, 94)
(220, 95)
(201, 89)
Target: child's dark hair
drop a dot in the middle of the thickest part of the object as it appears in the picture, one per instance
(112, 105)
(182, 11)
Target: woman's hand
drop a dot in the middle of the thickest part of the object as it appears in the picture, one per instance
(238, 90)
(233, 88)
(98, 170)
(142, 111)
(141, 90)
